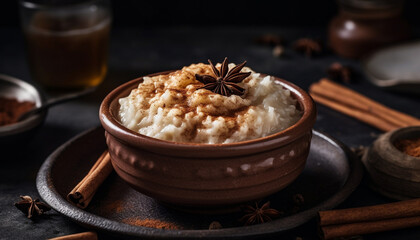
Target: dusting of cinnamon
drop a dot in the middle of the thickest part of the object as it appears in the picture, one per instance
(115, 206)
(409, 146)
(11, 109)
(151, 223)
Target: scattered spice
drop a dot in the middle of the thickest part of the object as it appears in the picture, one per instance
(307, 46)
(11, 109)
(298, 199)
(336, 71)
(409, 146)
(297, 202)
(278, 51)
(359, 151)
(31, 208)
(115, 206)
(224, 81)
(270, 40)
(256, 214)
(215, 225)
(151, 223)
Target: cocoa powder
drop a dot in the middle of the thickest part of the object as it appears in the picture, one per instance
(11, 109)
(409, 146)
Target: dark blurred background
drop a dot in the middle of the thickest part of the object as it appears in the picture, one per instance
(279, 13)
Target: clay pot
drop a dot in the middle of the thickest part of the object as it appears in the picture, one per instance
(203, 176)
(362, 27)
(392, 172)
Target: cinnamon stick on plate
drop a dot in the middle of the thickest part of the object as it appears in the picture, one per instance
(354, 104)
(82, 194)
(363, 220)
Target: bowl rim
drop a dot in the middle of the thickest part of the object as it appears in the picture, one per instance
(30, 122)
(112, 125)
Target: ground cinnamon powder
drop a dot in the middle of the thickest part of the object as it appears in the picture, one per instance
(11, 109)
(409, 146)
(115, 206)
(151, 223)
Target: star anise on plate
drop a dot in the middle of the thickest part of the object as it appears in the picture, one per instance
(307, 46)
(256, 214)
(224, 82)
(31, 207)
(337, 71)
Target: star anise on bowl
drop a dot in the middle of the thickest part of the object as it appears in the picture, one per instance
(31, 207)
(225, 81)
(256, 214)
(307, 46)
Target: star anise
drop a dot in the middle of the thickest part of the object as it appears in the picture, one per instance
(307, 46)
(337, 71)
(31, 208)
(224, 81)
(256, 215)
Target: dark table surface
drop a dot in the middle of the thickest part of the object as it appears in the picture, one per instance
(138, 51)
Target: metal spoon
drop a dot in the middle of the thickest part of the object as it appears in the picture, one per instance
(57, 100)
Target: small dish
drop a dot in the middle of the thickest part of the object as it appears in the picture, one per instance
(208, 177)
(11, 87)
(392, 172)
(395, 67)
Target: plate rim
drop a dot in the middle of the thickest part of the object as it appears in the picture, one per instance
(51, 196)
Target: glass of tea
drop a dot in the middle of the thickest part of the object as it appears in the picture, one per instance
(66, 41)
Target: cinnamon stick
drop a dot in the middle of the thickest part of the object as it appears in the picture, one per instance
(342, 99)
(370, 219)
(356, 105)
(407, 208)
(83, 192)
(78, 236)
(353, 112)
(352, 229)
(373, 106)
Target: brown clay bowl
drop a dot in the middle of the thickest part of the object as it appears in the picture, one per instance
(207, 176)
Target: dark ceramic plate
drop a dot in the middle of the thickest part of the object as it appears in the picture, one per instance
(331, 174)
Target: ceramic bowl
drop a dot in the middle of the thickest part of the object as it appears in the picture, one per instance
(207, 176)
(392, 172)
(18, 133)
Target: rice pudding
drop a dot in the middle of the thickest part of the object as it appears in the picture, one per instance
(174, 107)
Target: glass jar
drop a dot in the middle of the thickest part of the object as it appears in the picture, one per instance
(66, 41)
(363, 26)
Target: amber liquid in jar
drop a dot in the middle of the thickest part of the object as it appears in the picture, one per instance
(67, 51)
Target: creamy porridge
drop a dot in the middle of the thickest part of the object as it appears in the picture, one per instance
(169, 107)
